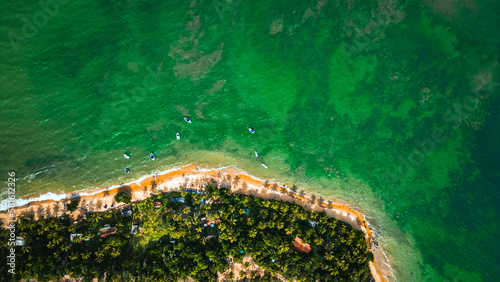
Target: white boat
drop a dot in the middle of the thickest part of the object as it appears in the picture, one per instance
(126, 156)
(256, 154)
(188, 120)
(152, 156)
(178, 135)
(264, 165)
(251, 130)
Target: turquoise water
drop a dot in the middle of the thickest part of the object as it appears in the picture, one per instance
(397, 99)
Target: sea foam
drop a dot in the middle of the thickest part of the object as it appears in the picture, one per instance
(8, 203)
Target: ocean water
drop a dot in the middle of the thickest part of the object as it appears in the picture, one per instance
(391, 107)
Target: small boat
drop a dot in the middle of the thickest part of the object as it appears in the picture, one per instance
(127, 170)
(264, 165)
(152, 156)
(188, 120)
(178, 135)
(251, 130)
(256, 154)
(127, 156)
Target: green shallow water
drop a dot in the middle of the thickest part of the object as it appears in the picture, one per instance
(332, 88)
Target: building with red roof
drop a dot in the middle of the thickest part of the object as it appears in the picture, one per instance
(107, 230)
(299, 246)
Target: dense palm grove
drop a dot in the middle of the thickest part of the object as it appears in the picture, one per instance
(190, 238)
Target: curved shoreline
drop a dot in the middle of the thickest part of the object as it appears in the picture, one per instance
(170, 180)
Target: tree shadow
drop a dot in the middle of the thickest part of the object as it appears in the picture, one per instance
(185, 183)
(313, 198)
(49, 211)
(98, 204)
(29, 214)
(127, 189)
(90, 205)
(57, 209)
(38, 212)
(236, 179)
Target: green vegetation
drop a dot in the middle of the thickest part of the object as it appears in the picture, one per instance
(73, 205)
(179, 237)
(123, 197)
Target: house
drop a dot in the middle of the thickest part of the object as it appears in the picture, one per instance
(193, 191)
(126, 212)
(301, 247)
(72, 236)
(177, 200)
(312, 223)
(157, 204)
(247, 211)
(212, 222)
(107, 230)
(20, 241)
(135, 229)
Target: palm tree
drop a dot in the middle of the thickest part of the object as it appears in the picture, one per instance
(115, 253)
(26, 249)
(65, 247)
(86, 255)
(289, 230)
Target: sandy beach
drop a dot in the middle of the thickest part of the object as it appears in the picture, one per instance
(191, 176)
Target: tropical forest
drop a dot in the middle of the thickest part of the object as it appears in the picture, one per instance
(189, 234)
